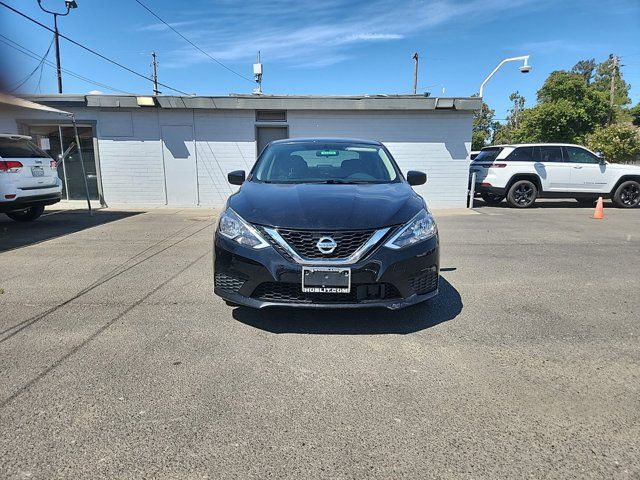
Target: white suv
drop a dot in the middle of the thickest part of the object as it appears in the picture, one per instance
(524, 172)
(28, 178)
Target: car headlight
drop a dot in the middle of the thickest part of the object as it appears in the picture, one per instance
(233, 227)
(419, 228)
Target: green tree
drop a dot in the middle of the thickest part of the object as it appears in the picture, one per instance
(483, 126)
(602, 82)
(518, 107)
(617, 142)
(635, 115)
(567, 110)
(585, 69)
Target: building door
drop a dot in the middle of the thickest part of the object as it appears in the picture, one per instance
(268, 133)
(180, 172)
(55, 139)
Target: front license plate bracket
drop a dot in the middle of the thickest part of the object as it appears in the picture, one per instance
(326, 280)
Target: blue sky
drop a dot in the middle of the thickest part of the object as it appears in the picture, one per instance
(328, 47)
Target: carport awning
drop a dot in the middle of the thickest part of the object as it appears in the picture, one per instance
(19, 102)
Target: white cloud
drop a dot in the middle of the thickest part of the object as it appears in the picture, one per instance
(306, 33)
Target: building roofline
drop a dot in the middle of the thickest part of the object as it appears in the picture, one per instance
(264, 102)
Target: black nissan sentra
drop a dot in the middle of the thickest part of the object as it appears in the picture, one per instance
(326, 223)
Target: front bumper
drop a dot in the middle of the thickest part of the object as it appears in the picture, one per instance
(384, 278)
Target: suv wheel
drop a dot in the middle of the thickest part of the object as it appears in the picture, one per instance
(491, 198)
(627, 194)
(522, 194)
(27, 215)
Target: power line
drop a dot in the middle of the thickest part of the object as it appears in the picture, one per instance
(38, 67)
(29, 53)
(130, 70)
(191, 43)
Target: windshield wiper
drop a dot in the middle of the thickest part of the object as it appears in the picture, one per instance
(337, 181)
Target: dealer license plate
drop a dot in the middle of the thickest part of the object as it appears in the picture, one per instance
(326, 280)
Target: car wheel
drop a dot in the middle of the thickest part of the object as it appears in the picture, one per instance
(491, 198)
(27, 215)
(586, 202)
(627, 194)
(522, 194)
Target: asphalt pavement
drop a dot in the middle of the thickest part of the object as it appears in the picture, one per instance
(116, 360)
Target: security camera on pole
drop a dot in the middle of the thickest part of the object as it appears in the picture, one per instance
(525, 68)
(70, 4)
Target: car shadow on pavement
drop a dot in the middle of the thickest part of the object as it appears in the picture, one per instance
(544, 203)
(370, 321)
(51, 225)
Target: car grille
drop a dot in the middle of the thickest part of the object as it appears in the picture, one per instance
(228, 283)
(292, 293)
(425, 282)
(304, 242)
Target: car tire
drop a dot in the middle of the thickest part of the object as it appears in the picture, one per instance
(522, 194)
(27, 215)
(586, 202)
(491, 198)
(627, 195)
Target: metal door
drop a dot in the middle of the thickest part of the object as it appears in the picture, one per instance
(268, 133)
(180, 171)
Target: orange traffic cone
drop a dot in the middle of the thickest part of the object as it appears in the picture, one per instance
(599, 213)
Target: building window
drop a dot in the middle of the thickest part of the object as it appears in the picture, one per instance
(271, 115)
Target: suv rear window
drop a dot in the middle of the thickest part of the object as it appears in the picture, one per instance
(488, 154)
(19, 148)
(521, 154)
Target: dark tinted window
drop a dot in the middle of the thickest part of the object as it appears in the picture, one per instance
(20, 148)
(488, 154)
(580, 155)
(550, 154)
(325, 163)
(521, 154)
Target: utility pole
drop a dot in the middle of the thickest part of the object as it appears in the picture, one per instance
(154, 63)
(415, 73)
(614, 72)
(70, 4)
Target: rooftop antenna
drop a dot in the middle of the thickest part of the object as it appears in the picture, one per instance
(257, 76)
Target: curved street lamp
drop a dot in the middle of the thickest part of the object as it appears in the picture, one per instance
(70, 4)
(525, 68)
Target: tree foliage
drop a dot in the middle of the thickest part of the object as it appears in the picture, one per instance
(585, 68)
(602, 82)
(483, 127)
(616, 142)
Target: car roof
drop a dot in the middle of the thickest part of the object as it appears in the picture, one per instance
(15, 136)
(326, 140)
(515, 145)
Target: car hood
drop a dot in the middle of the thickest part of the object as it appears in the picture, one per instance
(326, 207)
(631, 168)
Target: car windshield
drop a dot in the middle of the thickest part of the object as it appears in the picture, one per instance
(488, 154)
(316, 162)
(19, 148)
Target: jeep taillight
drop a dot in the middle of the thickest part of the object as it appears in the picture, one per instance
(54, 165)
(10, 166)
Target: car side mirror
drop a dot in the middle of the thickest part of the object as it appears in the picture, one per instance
(236, 177)
(416, 178)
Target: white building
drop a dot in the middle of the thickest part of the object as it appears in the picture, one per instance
(177, 150)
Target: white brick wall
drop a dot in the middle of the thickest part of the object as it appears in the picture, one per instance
(224, 142)
(436, 142)
(132, 167)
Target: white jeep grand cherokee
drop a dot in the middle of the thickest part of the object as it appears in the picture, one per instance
(28, 178)
(523, 172)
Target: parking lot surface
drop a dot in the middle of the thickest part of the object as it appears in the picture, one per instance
(116, 360)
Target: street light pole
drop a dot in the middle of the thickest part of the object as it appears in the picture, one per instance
(525, 68)
(56, 38)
